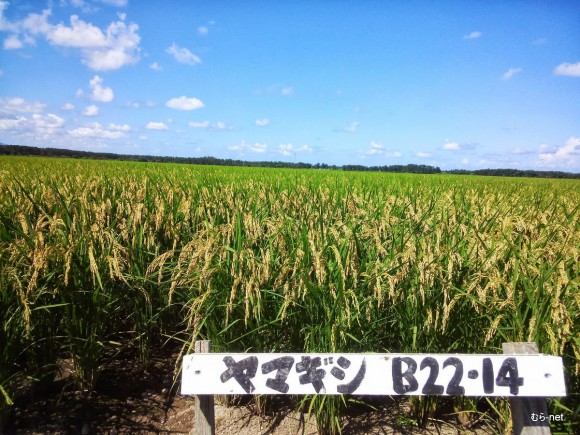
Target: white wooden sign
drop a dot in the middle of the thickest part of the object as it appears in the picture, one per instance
(373, 374)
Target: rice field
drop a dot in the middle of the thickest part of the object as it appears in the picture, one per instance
(96, 255)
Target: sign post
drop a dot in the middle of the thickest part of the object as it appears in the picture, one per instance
(204, 404)
(524, 408)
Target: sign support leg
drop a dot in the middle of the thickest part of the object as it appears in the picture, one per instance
(204, 404)
(523, 408)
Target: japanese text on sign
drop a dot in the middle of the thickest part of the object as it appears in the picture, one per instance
(373, 374)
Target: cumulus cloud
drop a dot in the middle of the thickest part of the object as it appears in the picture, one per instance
(220, 125)
(202, 30)
(184, 103)
(473, 35)
(243, 147)
(36, 125)
(258, 148)
(451, 146)
(511, 72)
(13, 123)
(262, 122)
(376, 149)
(155, 66)
(217, 126)
(68, 107)
(289, 149)
(422, 154)
(119, 127)
(100, 93)
(568, 69)
(156, 126)
(183, 55)
(567, 155)
(101, 50)
(96, 130)
(12, 43)
(17, 104)
(91, 110)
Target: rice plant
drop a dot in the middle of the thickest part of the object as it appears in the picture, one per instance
(94, 255)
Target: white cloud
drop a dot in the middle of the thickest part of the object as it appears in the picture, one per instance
(289, 149)
(217, 126)
(519, 151)
(464, 162)
(243, 147)
(96, 130)
(91, 110)
(101, 50)
(567, 155)
(17, 104)
(121, 48)
(183, 55)
(376, 149)
(511, 72)
(288, 90)
(473, 35)
(156, 126)
(204, 124)
(422, 154)
(111, 49)
(155, 67)
(568, 69)
(220, 125)
(262, 122)
(100, 93)
(36, 125)
(13, 43)
(202, 30)
(119, 127)
(13, 124)
(80, 34)
(258, 148)
(184, 103)
(68, 107)
(47, 124)
(451, 146)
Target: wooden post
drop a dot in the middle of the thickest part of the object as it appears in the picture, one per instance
(524, 407)
(204, 405)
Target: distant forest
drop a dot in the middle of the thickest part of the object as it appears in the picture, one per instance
(21, 150)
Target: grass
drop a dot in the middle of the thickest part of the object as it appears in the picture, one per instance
(97, 254)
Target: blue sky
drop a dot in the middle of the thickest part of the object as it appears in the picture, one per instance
(478, 84)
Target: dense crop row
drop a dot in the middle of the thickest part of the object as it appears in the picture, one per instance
(93, 254)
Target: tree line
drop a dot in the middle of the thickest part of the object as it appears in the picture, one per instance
(22, 150)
